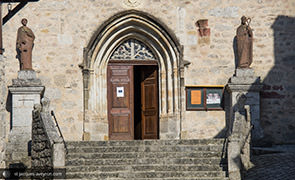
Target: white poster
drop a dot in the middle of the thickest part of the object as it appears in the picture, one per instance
(120, 91)
(213, 98)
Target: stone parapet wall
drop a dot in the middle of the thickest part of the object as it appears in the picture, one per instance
(48, 149)
(64, 28)
(41, 146)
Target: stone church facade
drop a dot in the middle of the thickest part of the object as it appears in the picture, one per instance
(89, 53)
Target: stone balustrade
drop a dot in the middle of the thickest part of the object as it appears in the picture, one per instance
(48, 150)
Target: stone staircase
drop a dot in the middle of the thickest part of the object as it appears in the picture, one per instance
(147, 159)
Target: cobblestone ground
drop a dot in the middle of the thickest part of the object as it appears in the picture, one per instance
(279, 166)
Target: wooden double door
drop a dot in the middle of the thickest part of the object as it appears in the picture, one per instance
(133, 101)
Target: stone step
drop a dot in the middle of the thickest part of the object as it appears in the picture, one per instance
(138, 168)
(199, 161)
(180, 148)
(73, 144)
(167, 178)
(127, 155)
(148, 175)
(174, 178)
(147, 159)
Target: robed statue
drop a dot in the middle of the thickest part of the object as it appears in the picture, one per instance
(245, 43)
(24, 45)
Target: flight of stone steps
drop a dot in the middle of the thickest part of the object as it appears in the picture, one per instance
(146, 159)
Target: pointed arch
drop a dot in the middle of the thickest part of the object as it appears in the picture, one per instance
(146, 29)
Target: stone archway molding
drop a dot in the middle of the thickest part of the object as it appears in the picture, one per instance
(145, 28)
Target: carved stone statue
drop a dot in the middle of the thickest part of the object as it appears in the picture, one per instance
(245, 43)
(24, 45)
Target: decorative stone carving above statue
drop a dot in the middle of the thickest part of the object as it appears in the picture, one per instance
(245, 43)
(24, 45)
(132, 3)
(203, 29)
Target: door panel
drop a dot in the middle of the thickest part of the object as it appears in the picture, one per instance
(120, 102)
(121, 123)
(149, 101)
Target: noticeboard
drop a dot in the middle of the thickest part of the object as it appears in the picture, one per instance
(204, 98)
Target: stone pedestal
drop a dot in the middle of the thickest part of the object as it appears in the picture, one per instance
(243, 87)
(245, 82)
(26, 91)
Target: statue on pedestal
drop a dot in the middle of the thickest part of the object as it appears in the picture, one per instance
(245, 43)
(24, 45)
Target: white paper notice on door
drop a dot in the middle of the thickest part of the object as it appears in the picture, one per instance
(120, 91)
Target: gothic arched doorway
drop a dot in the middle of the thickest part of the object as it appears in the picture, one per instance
(132, 79)
(162, 52)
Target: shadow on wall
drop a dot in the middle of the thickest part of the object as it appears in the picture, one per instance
(235, 49)
(278, 95)
(9, 107)
(278, 101)
(224, 105)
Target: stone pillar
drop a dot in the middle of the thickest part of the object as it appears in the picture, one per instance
(246, 84)
(26, 91)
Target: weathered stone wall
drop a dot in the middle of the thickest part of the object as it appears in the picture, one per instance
(64, 27)
(3, 90)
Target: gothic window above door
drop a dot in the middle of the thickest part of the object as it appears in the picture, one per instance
(132, 49)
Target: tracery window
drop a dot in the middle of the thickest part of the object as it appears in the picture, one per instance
(132, 49)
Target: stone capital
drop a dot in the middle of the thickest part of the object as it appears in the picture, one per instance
(26, 90)
(244, 87)
(244, 80)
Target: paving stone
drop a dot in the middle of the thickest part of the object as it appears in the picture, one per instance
(279, 166)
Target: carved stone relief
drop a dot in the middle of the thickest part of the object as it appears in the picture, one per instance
(134, 50)
(132, 3)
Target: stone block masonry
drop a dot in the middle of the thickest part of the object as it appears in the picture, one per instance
(64, 28)
(3, 122)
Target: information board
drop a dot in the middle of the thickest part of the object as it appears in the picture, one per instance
(204, 98)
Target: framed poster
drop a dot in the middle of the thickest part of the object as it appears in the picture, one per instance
(204, 98)
(195, 99)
